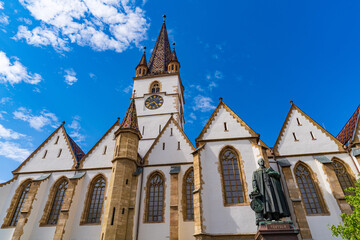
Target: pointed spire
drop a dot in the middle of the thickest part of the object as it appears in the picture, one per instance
(173, 55)
(130, 120)
(161, 54)
(143, 61)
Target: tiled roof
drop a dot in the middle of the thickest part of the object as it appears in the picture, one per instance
(130, 119)
(161, 54)
(79, 154)
(143, 61)
(347, 131)
(173, 56)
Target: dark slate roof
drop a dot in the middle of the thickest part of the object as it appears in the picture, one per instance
(79, 154)
(130, 119)
(173, 56)
(347, 132)
(161, 54)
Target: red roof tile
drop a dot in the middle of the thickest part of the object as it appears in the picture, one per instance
(347, 131)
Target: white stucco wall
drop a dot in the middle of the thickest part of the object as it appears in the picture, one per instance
(305, 144)
(51, 162)
(220, 219)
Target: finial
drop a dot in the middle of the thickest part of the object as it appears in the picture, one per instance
(173, 45)
(118, 118)
(63, 122)
(172, 114)
(164, 16)
(291, 102)
(220, 99)
(144, 49)
(133, 95)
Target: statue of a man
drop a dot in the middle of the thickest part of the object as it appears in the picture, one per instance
(268, 200)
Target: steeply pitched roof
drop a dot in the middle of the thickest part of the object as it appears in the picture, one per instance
(233, 114)
(79, 154)
(348, 131)
(318, 126)
(143, 61)
(173, 56)
(130, 120)
(161, 54)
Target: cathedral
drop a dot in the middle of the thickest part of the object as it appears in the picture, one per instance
(144, 179)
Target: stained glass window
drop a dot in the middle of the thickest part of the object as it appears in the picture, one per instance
(231, 177)
(155, 198)
(96, 201)
(189, 188)
(343, 176)
(308, 189)
(20, 204)
(57, 203)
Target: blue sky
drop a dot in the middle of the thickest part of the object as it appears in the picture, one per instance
(74, 61)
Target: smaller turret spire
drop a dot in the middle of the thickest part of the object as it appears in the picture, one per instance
(130, 120)
(142, 68)
(174, 65)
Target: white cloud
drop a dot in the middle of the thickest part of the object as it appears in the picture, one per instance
(218, 75)
(25, 20)
(4, 100)
(14, 72)
(75, 130)
(7, 133)
(70, 76)
(127, 89)
(37, 122)
(92, 76)
(203, 104)
(1, 5)
(100, 24)
(4, 20)
(13, 151)
(212, 85)
(192, 116)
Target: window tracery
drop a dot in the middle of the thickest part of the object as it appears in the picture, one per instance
(155, 198)
(343, 176)
(188, 186)
(57, 202)
(155, 87)
(95, 200)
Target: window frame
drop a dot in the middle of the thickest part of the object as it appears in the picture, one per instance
(49, 203)
(85, 214)
(184, 195)
(15, 202)
(147, 198)
(348, 171)
(242, 177)
(319, 194)
(152, 86)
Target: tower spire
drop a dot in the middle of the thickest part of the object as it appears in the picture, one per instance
(161, 54)
(142, 68)
(130, 120)
(174, 64)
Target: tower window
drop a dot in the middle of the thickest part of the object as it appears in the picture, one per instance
(298, 121)
(105, 148)
(175, 67)
(59, 154)
(312, 136)
(295, 139)
(155, 87)
(172, 67)
(225, 127)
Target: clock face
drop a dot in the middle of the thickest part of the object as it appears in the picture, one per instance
(154, 102)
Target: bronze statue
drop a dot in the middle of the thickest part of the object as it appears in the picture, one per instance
(268, 199)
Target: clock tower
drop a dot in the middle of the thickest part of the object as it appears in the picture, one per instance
(158, 91)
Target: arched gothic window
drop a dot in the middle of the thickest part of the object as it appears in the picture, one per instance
(343, 176)
(232, 177)
(57, 202)
(20, 203)
(95, 200)
(155, 198)
(309, 190)
(155, 87)
(188, 186)
(16, 205)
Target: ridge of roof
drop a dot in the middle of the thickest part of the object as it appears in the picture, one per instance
(171, 119)
(347, 133)
(323, 130)
(232, 113)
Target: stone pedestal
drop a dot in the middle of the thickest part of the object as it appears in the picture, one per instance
(276, 230)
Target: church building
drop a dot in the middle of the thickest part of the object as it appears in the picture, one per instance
(144, 179)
